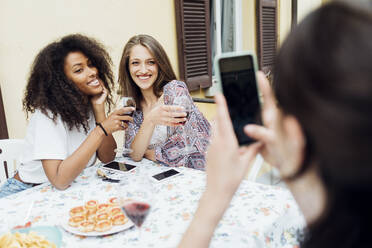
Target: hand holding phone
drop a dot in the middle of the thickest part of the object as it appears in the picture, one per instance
(237, 74)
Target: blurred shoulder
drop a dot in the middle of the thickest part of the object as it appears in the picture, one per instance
(176, 84)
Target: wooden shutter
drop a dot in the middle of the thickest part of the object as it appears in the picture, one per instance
(3, 126)
(194, 54)
(266, 33)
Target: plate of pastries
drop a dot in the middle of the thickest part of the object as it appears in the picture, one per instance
(96, 218)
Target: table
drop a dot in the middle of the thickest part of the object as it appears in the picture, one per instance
(259, 215)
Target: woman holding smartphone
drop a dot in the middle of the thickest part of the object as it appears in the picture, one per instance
(69, 85)
(146, 74)
(317, 132)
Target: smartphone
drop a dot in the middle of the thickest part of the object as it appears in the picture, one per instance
(236, 73)
(118, 166)
(164, 175)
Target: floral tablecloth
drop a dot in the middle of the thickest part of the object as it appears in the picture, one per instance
(259, 215)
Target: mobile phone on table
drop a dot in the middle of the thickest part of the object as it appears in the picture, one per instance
(165, 175)
(236, 73)
(118, 167)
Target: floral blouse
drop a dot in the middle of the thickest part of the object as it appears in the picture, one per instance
(197, 129)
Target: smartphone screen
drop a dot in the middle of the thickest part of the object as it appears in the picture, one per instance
(119, 166)
(238, 80)
(165, 174)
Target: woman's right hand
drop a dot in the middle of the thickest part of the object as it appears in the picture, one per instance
(227, 163)
(117, 120)
(166, 115)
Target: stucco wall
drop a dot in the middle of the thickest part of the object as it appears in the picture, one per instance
(27, 26)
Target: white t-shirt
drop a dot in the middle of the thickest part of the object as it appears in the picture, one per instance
(159, 136)
(46, 139)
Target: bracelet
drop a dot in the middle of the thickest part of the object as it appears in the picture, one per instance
(100, 125)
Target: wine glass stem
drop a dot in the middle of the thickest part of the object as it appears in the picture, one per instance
(186, 149)
(140, 239)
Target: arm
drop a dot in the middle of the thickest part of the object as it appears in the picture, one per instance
(227, 165)
(198, 129)
(105, 151)
(62, 172)
(160, 114)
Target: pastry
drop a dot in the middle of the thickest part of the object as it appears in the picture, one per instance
(115, 211)
(76, 220)
(77, 211)
(103, 226)
(91, 206)
(103, 216)
(119, 219)
(86, 226)
(103, 208)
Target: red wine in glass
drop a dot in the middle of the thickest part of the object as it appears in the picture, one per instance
(137, 212)
(128, 102)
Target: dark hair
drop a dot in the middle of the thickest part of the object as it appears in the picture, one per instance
(49, 89)
(127, 87)
(323, 77)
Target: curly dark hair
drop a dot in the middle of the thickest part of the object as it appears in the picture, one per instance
(49, 90)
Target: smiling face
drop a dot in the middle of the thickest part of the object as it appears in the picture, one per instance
(142, 67)
(79, 69)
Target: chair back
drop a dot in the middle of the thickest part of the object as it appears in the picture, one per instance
(255, 168)
(10, 151)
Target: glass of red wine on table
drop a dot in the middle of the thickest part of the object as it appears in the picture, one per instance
(125, 101)
(136, 199)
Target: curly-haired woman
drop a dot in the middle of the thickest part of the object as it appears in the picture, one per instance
(146, 74)
(69, 85)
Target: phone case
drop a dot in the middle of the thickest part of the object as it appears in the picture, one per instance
(231, 71)
(165, 179)
(217, 72)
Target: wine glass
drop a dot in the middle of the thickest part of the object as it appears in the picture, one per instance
(184, 101)
(135, 199)
(126, 101)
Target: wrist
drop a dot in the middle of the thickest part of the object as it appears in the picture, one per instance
(209, 213)
(149, 122)
(100, 126)
(220, 203)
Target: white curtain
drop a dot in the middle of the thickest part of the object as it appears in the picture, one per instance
(228, 25)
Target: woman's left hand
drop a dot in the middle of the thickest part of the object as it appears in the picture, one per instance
(100, 98)
(150, 154)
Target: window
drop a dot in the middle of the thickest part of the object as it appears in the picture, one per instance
(208, 27)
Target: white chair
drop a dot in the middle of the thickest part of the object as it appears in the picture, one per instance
(10, 150)
(252, 175)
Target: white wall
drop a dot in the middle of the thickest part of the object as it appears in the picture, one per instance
(304, 7)
(28, 25)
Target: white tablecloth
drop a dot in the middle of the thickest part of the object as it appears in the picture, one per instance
(259, 215)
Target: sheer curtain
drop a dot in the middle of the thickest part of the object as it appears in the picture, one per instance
(225, 18)
(228, 25)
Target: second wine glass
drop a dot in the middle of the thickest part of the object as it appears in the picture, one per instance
(184, 101)
(126, 101)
